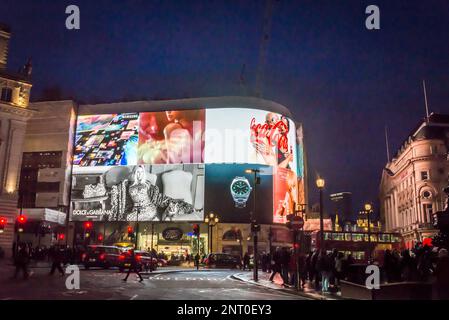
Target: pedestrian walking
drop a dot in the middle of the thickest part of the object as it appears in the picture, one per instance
(57, 257)
(133, 267)
(21, 261)
(302, 270)
(339, 268)
(315, 268)
(285, 261)
(292, 267)
(246, 260)
(442, 275)
(264, 261)
(308, 269)
(276, 264)
(324, 267)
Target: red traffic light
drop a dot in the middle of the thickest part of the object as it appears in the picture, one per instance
(61, 236)
(100, 237)
(196, 229)
(21, 219)
(130, 229)
(3, 221)
(88, 225)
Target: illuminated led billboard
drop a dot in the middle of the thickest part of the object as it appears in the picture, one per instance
(154, 166)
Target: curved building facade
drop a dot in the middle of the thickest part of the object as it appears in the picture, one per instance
(162, 166)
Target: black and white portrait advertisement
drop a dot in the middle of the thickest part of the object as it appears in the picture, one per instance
(138, 193)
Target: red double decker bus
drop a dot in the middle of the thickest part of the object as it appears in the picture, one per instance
(357, 244)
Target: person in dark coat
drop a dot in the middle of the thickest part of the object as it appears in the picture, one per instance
(316, 271)
(408, 267)
(133, 266)
(309, 270)
(285, 262)
(21, 261)
(264, 262)
(442, 275)
(325, 269)
(246, 260)
(276, 264)
(302, 270)
(57, 257)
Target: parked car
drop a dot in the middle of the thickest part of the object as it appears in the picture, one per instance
(101, 256)
(144, 261)
(221, 260)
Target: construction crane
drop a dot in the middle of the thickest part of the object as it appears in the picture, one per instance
(264, 41)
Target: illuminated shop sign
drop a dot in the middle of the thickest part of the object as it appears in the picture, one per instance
(172, 234)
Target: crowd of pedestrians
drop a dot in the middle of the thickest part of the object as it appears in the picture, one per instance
(57, 256)
(324, 270)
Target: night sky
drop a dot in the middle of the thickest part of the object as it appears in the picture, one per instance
(344, 82)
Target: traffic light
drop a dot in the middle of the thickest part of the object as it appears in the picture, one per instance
(196, 230)
(3, 222)
(21, 220)
(61, 236)
(100, 237)
(88, 225)
(130, 232)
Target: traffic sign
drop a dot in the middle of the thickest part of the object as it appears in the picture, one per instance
(297, 222)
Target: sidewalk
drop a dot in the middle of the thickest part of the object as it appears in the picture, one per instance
(308, 291)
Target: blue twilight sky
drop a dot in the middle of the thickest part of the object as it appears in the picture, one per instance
(343, 82)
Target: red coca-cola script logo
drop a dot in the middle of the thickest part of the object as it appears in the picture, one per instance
(273, 133)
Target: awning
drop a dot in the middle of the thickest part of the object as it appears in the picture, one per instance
(45, 214)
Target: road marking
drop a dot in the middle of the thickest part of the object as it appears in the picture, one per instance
(164, 278)
(133, 297)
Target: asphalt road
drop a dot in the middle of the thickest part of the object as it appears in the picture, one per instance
(108, 284)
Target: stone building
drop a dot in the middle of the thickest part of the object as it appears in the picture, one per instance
(46, 170)
(14, 112)
(411, 189)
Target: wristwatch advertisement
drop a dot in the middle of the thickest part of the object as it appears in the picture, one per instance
(240, 191)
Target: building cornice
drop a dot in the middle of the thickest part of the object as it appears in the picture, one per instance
(17, 111)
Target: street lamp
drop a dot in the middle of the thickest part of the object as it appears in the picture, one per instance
(369, 209)
(137, 228)
(211, 219)
(255, 227)
(320, 184)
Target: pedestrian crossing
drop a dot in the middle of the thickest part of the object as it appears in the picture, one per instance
(175, 278)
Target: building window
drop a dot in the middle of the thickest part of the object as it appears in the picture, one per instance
(426, 194)
(424, 175)
(428, 211)
(433, 149)
(6, 94)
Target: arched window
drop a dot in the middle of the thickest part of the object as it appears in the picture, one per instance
(6, 94)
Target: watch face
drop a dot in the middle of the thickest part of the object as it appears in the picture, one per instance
(240, 188)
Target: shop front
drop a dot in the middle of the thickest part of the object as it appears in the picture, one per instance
(169, 239)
